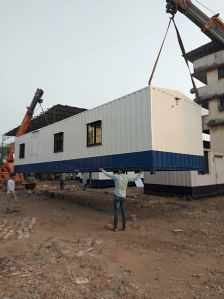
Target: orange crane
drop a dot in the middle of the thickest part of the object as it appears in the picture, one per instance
(8, 165)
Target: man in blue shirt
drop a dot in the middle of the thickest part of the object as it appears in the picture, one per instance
(121, 182)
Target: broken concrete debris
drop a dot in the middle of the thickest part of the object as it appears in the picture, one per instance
(10, 228)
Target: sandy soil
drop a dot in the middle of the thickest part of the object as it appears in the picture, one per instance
(60, 246)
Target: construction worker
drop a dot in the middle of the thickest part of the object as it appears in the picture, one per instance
(62, 178)
(121, 182)
(31, 183)
(11, 198)
(52, 179)
(84, 180)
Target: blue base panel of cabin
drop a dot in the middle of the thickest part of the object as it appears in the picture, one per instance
(148, 160)
(102, 183)
(106, 183)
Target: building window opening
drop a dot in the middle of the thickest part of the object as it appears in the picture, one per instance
(220, 73)
(22, 151)
(94, 133)
(206, 144)
(58, 142)
(205, 105)
(221, 103)
(206, 157)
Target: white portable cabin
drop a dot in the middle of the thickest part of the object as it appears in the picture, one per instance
(151, 129)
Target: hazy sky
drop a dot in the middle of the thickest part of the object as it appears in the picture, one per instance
(87, 52)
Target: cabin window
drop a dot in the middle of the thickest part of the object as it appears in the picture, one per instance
(58, 142)
(221, 103)
(94, 133)
(22, 150)
(220, 73)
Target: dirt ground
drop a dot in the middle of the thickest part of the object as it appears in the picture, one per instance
(60, 246)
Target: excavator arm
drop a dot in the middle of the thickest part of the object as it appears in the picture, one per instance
(213, 27)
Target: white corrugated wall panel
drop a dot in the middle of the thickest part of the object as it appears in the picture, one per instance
(176, 123)
(125, 128)
(208, 178)
(100, 176)
(170, 178)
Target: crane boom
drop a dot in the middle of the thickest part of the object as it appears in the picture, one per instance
(8, 166)
(213, 27)
(29, 113)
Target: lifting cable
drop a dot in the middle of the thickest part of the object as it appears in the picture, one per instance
(181, 44)
(157, 59)
(183, 53)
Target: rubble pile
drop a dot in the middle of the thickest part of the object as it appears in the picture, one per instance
(12, 229)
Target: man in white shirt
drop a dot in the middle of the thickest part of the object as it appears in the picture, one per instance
(11, 195)
(121, 182)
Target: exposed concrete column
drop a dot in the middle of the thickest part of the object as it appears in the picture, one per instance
(211, 93)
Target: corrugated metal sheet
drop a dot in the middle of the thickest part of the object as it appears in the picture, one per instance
(50, 116)
(175, 120)
(171, 178)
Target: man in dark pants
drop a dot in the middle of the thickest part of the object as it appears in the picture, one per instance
(121, 182)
